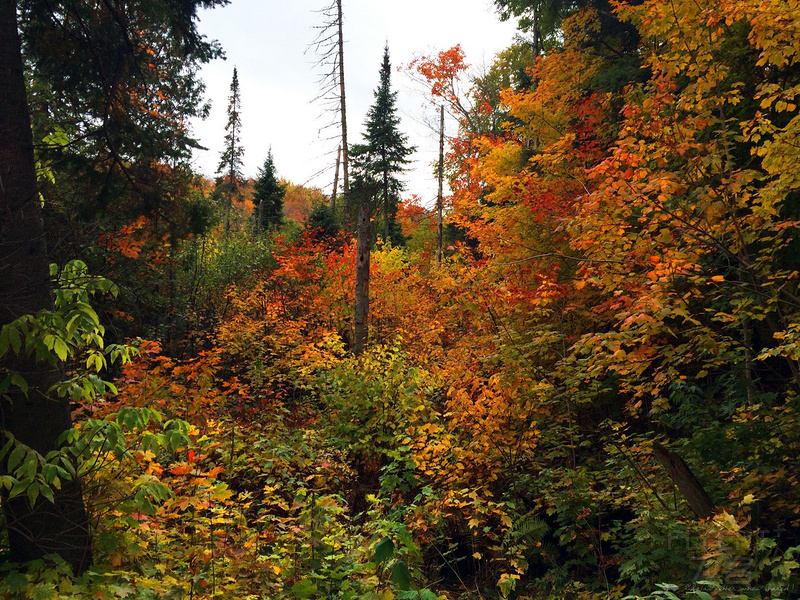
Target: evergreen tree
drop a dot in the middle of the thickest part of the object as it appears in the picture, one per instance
(115, 109)
(268, 197)
(321, 223)
(230, 164)
(111, 86)
(386, 150)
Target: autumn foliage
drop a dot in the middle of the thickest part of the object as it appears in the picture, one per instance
(621, 289)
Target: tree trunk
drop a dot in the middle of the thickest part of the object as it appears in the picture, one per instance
(336, 178)
(688, 485)
(343, 108)
(440, 197)
(364, 239)
(36, 420)
(387, 217)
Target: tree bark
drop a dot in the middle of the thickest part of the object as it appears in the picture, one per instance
(688, 485)
(387, 210)
(37, 420)
(364, 241)
(440, 197)
(336, 178)
(343, 108)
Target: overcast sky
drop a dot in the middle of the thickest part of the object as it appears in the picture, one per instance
(267, 41)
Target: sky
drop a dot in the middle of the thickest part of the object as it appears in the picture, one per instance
(268, 42)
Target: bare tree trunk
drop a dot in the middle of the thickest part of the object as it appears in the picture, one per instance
(747, 339)
(387, 217)
(336, 179)
(688, 485)
(37, 420)
(343, 108)
(440, 197)
(228, 215)
(364, 239)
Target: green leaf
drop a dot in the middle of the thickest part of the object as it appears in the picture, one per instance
(15, 582)
(130, 418)
(33, 493)
(19, 487)
(61, 349)
(49, 340)
(425, 594)
(44, 591)
(19, 381)
(47, 493)
(304, 588)
(13, 337)
(58, 138)
(16, 457)
(8, 445)
(384, 550)
(123, 590)
(401, 575)
(4, 341)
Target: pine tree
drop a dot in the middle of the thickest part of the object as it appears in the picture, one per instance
(230, 164)
(386, 150)
(268, 197)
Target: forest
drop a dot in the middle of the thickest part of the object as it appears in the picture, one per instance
(577, 376)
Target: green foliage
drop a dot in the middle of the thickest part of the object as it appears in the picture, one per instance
(60, 335)
(268, 194)
(137, 75)
(372, 400)
(214, 265)
(385, 151)
(230, 162)
(88, 450)
(322, 223)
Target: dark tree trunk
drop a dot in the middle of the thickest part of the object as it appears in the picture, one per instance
(688, 485)
(37, 420)
(364, 241)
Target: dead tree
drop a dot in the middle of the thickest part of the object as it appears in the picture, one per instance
(329, 47)
(365, 191)
(336, 179)
(686, 481)
(440, 197)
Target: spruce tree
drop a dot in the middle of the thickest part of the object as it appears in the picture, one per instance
(386, 150)
(230, 163)
(268, 197)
